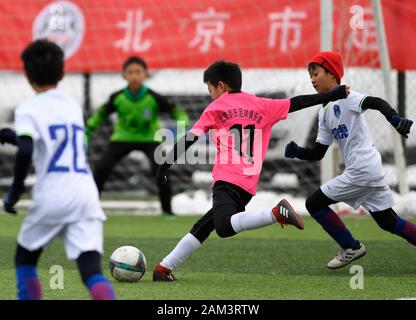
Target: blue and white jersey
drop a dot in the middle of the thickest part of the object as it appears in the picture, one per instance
(343, 122)
(65, 190)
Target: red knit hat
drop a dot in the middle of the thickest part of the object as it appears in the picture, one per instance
(331, 61)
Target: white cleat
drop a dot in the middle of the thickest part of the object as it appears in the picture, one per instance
(346, 256)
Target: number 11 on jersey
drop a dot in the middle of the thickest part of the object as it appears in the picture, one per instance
(237, 130)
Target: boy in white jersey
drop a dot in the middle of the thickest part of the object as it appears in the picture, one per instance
(50, 132)
(362, 183)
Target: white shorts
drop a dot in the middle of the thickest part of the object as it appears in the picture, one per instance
(78, 237)
(371, 198)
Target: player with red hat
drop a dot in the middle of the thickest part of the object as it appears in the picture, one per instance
(363, 181)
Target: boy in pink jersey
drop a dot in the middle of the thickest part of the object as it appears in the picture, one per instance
(240, 124)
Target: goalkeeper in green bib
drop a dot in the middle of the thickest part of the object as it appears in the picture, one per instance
(138, 110)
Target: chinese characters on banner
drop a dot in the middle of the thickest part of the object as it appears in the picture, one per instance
(287, 22)
(209, 28)
(99, 35)
(133, 27)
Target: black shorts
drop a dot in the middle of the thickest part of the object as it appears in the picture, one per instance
(228, 199)
(228, 193)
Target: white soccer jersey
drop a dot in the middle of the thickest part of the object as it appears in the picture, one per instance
(343, 122)
(65, 190)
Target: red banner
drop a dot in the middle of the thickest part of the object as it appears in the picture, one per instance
(97, 35)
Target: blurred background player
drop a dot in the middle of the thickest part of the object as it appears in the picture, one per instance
(50, 130)
(249, 119)
(362, 183)
(138, 110)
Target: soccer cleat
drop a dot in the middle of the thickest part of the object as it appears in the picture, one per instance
(285, 215)
(168, 216)
(346, 256)
(161, 273)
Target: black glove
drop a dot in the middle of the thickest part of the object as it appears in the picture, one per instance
(8, 136)
(339, 92)
(292, 150)
(161, 174)
(11, 199)
(88, 133)
(402, 125)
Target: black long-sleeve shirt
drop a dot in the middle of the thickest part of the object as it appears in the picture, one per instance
(22, 162)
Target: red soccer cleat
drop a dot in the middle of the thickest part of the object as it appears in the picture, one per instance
(161, 273)
(286, 215)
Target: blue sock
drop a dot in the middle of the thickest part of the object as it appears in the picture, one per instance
(28, 284)
(406, 229)
(333, 225)
(100, 288)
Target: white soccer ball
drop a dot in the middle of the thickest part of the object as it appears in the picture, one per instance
(128, 264)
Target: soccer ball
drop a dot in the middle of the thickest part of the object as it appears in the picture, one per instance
(127, 264)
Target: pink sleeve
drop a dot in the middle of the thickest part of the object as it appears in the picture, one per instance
(277, 109)
(204, 123)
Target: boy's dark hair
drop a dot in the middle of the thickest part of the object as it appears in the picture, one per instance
(312, 66)
(134, 59)
(227, 72)
(43, 62)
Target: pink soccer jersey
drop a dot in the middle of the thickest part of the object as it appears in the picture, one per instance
(240, 125)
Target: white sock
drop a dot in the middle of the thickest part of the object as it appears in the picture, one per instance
(183, 249)
(252, 220)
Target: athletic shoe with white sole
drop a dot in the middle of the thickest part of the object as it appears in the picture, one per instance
(346, 256)
(285, 215)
